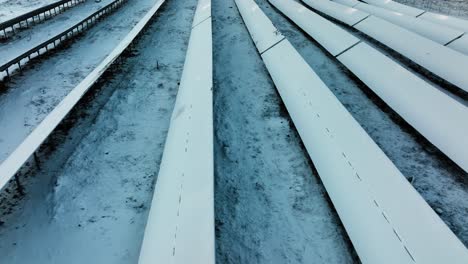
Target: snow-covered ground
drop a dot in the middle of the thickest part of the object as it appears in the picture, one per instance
(13, 8)
(29, 39)
(29, 97)
(89, 203)
(458, 8)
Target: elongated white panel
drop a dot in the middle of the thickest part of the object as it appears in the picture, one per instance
(180, 226)
(23, 152)
(386, 219)
(436, 32)
(347, 15)
(350, 3)
(400, 8)
(450, 21)
(203, 12)
(329, 35)
(442, 61)
(268, 35)
(437, 116)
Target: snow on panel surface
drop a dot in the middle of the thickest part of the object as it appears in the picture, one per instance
(329, 35)
(433, 31)
(442, 61)
(269, 35)
(25, 150)
(437, 116)
(203, 12)
(350, 3)
(454, 22)
(450, 21)
(387, 220)
(400, 8)
(460, 44)
(347, 15)
(180, 226)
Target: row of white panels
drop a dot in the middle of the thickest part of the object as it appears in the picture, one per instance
(385, 217)
(444, 62)
(180, 226)
(452, 37)
(450, 21)
(422, 105)
(31, 144)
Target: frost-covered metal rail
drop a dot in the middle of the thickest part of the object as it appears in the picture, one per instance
(36, 16)
(444, 62)
(422, 105)
(386, 219)
(180, 226)
(16, 160)
(17, 63)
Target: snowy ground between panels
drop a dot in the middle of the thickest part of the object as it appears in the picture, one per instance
(89, 201)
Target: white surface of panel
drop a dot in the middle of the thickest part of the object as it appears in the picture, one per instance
(329, 35)
(180, 226)
(268, 35)
(450, 21)
(460, 44)
(347, 15)
(436, 32)
(400, 8)
(437, 116)
(423, 106)
(350, 3)
(442, 61)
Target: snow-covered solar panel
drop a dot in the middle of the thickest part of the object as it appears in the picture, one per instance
(444, 62)
(453, 22)
(203, 12)
(433, 113)
(326, 33)
(422, 105)
(180, 226)
(460, 44)
(347, 15)
(400, 8)
(386, 219)
(430, 30)
(450, 21)
(440, 60)
(350, 3)
(266, 37)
